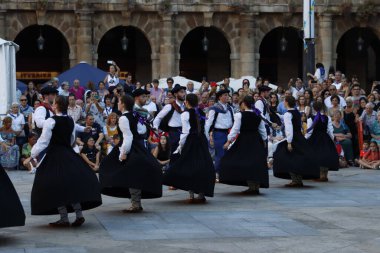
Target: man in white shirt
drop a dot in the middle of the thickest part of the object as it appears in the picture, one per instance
(338, 79)
(298, 89)
(73, 110)
(140, 96)
(190, 88)
(220, 120)
(151, 106)
(333, 91)
(169, 118)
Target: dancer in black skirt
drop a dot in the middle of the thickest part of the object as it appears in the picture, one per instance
(63, 182)
(11, 211)
(293, 157)
(193, 170)
(130, 171)
(321, 138)
(245, 163)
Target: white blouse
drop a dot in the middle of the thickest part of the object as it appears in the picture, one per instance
(44, 140)
(40, 115)
(288, 126)
(127, 135)
(330, 128)
(235, 130)
(185, 117)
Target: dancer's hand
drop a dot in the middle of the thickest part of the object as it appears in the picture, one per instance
(123, 157)
(290, 148)
(226, 145)
(33, 162)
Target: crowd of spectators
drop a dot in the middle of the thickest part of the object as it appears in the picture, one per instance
(354, 112)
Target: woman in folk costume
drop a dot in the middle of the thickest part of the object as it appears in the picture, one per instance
(321, 138)
(192, 170)
(63, 182)
(245, 163)
(293, 158)
(11, 211)
(130, 171)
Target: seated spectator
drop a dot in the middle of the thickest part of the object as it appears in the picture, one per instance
(375, 130)
(18, 123)
(31, 122)
(275, 137)
(74, 110)
(102, 91)
(108, 107)
(26, 110)
(204, 101)
(335, 102)
(77, 90)
(302, 106)
(371, 159)
(26, 151)
(343, 136)
(362, 103)
(162, 152)
(91, 154)
(110, 130)
(368, 118)
(95, 108)
(96, 133)
(11, 155)
(151, 106)
(333, 91)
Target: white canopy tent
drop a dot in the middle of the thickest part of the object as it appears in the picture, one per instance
(180, 80)
(238, 83)
(8, 51)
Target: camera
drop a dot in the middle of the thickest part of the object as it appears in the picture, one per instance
(110, 62)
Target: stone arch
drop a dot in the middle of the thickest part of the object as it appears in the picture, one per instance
(277, 61)
(198, 60)
(135, 59)
(143, 22)
(64, 23)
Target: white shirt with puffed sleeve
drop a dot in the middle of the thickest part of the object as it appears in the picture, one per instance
(288, 126)
(185, 117)
(127, 136)
(44, 140)
(175, 120)
(223, 121)
(39, 116)
(235, 130)
(330, 128)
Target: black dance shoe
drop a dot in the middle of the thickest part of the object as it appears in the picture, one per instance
(133, 210)
(78, 222)
(60, 224)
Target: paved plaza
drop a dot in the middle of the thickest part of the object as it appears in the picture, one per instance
(339, 216)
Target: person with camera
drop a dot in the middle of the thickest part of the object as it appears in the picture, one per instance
(117, 93)
(95, 108)
(112, 77)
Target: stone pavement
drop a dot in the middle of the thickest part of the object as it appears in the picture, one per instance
(339, 216)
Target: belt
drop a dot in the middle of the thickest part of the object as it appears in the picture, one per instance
(221, 130)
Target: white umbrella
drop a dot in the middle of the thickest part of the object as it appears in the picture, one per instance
(180, 80)
(238, 83)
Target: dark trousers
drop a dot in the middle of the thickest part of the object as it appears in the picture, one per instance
(220, 138)
(174, 135)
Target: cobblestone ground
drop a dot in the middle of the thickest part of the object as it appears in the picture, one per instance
(339, 216)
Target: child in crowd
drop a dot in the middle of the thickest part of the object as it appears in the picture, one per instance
(371, 159)
(91, 154)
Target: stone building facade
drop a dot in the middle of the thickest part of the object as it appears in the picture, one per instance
(243, 23)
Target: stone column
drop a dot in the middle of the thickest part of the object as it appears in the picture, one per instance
(155, 66)
(167, 55)
(235, 65)
(2, 25)
(247, 44)
(326, 39)
(84, 43)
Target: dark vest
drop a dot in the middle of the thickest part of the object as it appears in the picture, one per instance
(321, 126)
(194, 123)
(249, 122)
(62, 131)
(296, 121)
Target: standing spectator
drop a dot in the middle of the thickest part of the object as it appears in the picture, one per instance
(368, 119)
(350, 119)
(102, 91)
(26, 151)
(96, 132)
(296, 90)
(112, 77)
(190, 88)
(204, 101)
(226, 82)
(246, 87)
(77, 90)
(74, 110)
(11, 156)
(320, 73)
(333, 91)
(235, 102)
(129, 86)
(281, 109)
(90, 89)
(64, 91)
(110, 130)
(158, 93)
(31, 93)
(91, 154)
(170, 82)
(338, 79)
(26, 111)
(95, 108)
(18, 123)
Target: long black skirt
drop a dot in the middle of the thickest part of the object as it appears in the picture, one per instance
(193, 170)
(140, 171)
(64, 178)
(299, 161)
(11, 211)
(324, 150)
(245, 161)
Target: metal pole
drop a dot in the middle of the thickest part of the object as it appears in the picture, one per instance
(309, 36)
